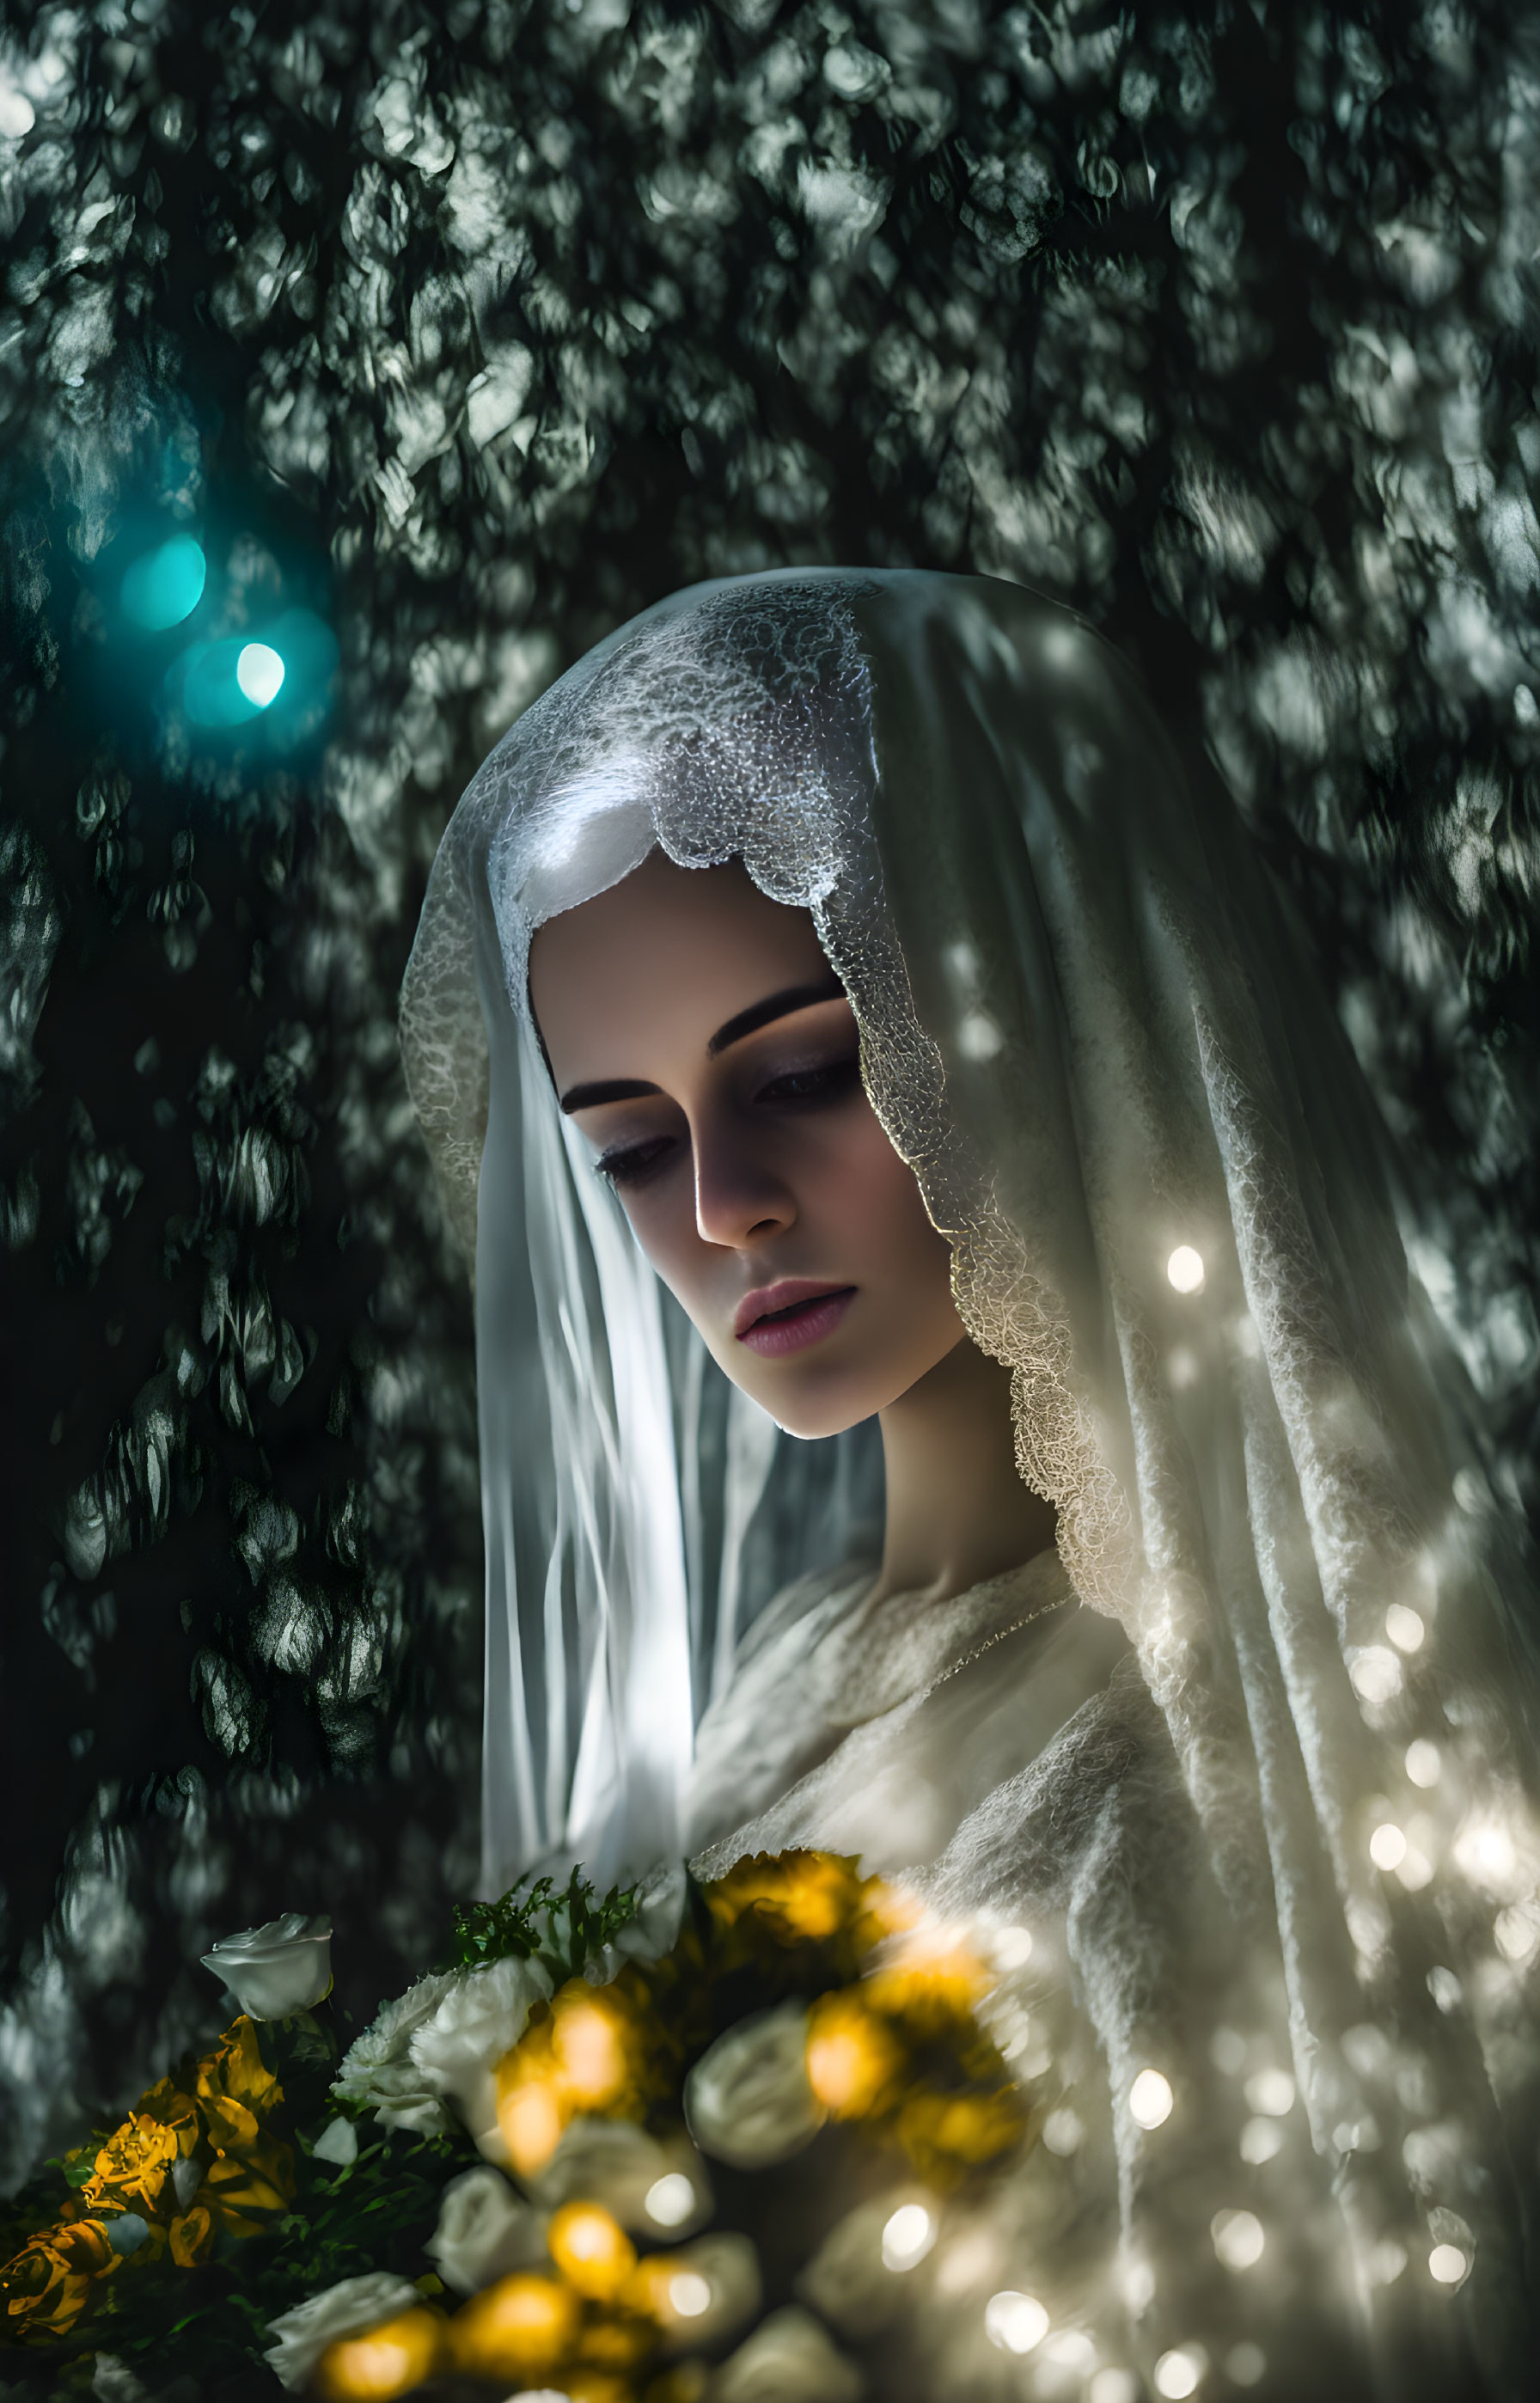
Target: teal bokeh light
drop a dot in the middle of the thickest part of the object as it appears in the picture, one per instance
(283, 674)
(259, 672)
(165, 585)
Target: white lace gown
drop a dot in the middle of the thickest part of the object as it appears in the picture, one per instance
(1000, 1754)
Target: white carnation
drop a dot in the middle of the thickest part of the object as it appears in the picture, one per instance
(478, 2019)
(378, 2070)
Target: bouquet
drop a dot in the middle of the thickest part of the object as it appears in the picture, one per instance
(674, 2144)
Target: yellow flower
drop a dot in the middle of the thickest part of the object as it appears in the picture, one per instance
(595, 2387)
(592, 2249)
(390, 2360)
(235, 2089)
(614, 2342)
(49, 2283)
(246, 2185)
(192, 2233)
(579, 2056)
(176, 2110)
(590, 2048)
(945, 2134)
(801, 1898)
(522, 2328)
(132, 2166)
(931, 1981)
(853, 2058)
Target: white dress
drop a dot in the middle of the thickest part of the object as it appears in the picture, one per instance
(1001, 1752)
(879, 1728)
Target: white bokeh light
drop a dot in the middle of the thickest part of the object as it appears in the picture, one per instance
(1271, 2092)
(1150, 2099)
(1375, 1674)
(1238, 2239)
(1424, 1765)
(1387, 1846)
(689, 2294)
(1062, 2132)
(670, 2200)
(1184, 1270)
(1015, 2323)
(908, 2236)
(1178, 2372)
(260, 674)
(1518, 1932)
(1404, 1627)
(1448, 2265)
(1261, 2140)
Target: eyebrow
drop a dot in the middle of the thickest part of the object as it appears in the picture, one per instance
(748, 1022)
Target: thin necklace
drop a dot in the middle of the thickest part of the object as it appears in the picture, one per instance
(1061, 1603)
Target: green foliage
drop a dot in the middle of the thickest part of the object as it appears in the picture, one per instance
(564, 1927)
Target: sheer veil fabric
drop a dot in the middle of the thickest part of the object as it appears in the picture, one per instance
(1087, 1023)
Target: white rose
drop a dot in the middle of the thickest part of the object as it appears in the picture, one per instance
(479, 2018)
(747, 2100)
(348, 2309)
(652, 2188)
(276, 1970)
(485, 2231)
(788, 2359)
(378, 2070)
(711, 2289)
(846, 2280)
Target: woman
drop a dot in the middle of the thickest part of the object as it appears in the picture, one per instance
(956, 1070)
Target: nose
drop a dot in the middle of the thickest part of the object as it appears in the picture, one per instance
(738, 1199)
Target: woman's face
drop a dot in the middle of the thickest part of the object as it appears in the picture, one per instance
(700, 1039)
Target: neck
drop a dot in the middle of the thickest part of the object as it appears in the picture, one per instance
(957, 1509)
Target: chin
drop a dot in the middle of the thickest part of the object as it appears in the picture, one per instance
(826, 1405)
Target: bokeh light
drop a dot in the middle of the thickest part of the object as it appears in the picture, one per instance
(1016, 2322)
(283, 674)
(1387, 1846)
(164, 586)
(670, 2200)
(1238, 2239)
(908, 2236)
(389, 2361)
(523, 2324)
(259, 672)
(1271, 2092)
(1178, 2372)
(1150, 2099)
(1184, 1270)
(591, 2249)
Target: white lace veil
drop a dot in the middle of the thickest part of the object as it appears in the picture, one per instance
(1087, 1023)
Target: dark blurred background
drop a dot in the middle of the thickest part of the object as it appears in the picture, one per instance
(414, 347)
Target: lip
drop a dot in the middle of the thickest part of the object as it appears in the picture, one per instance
(789, 1315)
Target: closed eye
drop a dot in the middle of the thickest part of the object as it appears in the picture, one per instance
(830, 1082)
(632, 1164)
